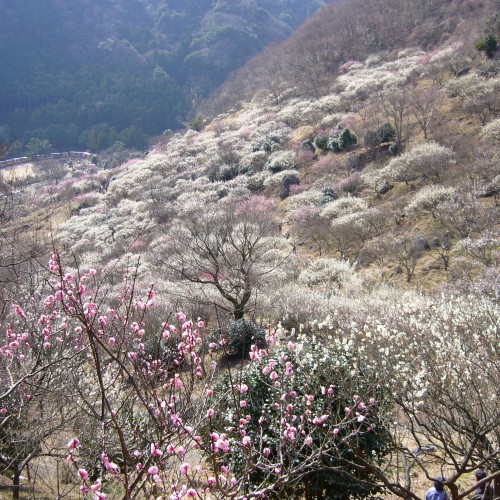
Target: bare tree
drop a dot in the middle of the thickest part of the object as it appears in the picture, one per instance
(310, 228)
(424, 106)
(406, 253)
(442, 246)
(55, 169)
(396, 107)
(232, 250)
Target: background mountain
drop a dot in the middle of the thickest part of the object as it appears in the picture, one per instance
(87, 73)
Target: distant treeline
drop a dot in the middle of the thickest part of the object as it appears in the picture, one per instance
(88, 74)
(94, 109)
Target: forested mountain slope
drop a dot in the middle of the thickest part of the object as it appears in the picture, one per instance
(80, 73)
(346, 31)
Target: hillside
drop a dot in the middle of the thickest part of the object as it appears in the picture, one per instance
(308, 62)
(393, 102)
(86, 74)
(334, 236)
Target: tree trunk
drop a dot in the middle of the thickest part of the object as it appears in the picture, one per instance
(15, 481)
(238, 313)
(453, 492)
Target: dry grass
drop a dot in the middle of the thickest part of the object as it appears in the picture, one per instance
(20, 172)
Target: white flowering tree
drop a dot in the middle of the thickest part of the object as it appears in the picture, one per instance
(491, 131)
(436, 358)
(478, 94)
(427, 160)
(429, 198)
(326, 274)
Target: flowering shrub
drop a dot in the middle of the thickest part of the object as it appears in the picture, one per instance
(326, 273)
(294, 402)
(343, 68)
(484, 249)
(426, 160)
(281, 160)
(311, 198)
(491, 131)
(350, 185)
(369, 79)
(464, 213)
(256, 182)
(478, 94)
(253, 162)
(429, 198)
(343, 206)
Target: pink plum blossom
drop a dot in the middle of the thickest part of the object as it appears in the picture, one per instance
(74, 443)
(83, 474)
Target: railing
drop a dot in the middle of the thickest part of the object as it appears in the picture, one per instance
(24, 159)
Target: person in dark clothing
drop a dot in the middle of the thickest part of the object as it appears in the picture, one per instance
(485, 490)
(437, 491)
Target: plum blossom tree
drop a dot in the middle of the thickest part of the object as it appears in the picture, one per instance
(479, 95)
(233, 249)
(450, 402)
(326, 274)
(437, 357)
(33, 375)
(426, 160)
(20, 252)
(429, 198)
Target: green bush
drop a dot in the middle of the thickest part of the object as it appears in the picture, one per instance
(338, 473)
(321, 142)
(197, 123)
(38, 147)
(343, 141)
(385, 133)
(239, 335)
(488, 44)
(329, 195)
